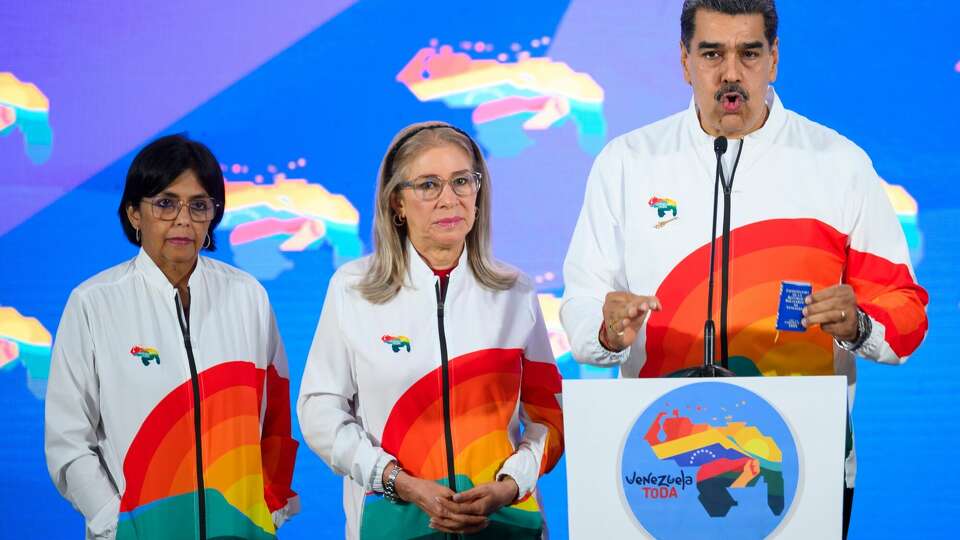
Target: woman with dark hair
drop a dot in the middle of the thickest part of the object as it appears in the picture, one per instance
(167, 407)
(431, 385)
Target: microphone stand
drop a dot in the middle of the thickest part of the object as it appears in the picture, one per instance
(725, 259)
(709, 368)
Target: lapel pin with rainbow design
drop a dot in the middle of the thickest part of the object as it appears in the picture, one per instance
(397, 342)
(145, 354)
(663, 206)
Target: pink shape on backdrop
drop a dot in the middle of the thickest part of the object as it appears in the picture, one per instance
(8, 115)
(437, 64)
(264, 228)
(9, 351)
(493, 110)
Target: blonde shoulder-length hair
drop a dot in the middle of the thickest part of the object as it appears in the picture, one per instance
(388, 265)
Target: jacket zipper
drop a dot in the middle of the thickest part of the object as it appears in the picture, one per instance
(195, 384)
(445, 382)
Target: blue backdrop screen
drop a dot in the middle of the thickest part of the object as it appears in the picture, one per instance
(299, 101)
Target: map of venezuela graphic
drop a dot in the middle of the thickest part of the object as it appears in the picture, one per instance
(23, 107)
(730, 457)
(509, 94)
(907, 211)
(24, 341)
(265, 219)
(710, 460)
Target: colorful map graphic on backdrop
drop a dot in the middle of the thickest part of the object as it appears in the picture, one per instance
(265, 219)
(509, 98)
(24, 341)
(907, 210)
(560, 343)
(23, 107)
(709, 460)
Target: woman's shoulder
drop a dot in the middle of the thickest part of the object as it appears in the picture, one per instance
(116, 275)
(229, 273)
(349, 274)
(522, 285)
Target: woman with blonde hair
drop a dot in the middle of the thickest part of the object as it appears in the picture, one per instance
(428, 359)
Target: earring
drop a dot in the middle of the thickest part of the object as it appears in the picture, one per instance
(138, 235)
(207, 241)
(398, 220)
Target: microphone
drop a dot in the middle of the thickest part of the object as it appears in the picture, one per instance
(720, 146)
(709, 367)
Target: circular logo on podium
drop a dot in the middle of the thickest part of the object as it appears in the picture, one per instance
(709, 460)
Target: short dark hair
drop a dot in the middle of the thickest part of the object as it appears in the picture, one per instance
(767, 8)
(159, 164)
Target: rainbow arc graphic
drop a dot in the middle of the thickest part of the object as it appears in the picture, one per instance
(160, 499)
(484, 387)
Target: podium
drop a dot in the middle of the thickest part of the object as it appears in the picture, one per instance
(744, 457)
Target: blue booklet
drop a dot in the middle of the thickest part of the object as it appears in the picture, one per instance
(790, 312)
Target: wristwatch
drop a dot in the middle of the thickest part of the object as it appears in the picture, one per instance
(864, 328)
(390, 486)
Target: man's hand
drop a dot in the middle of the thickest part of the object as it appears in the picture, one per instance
(835, 310)
(623, 315)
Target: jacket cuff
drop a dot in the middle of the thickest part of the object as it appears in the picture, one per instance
(376, 479)
(292, 508)
(103, 524)
(605, 355)
(523, 468)
(872, 347)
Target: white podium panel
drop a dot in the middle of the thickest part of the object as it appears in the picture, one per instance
(746, 457)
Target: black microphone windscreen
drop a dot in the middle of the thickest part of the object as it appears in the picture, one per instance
(720, 145)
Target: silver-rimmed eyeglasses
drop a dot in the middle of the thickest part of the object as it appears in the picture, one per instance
(429, 188)
(201, 209)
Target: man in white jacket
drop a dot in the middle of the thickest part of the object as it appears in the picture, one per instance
(806, 205)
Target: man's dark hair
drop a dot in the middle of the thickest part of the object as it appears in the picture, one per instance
(159, 164)
(767, 8)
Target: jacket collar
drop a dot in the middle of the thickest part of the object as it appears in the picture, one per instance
(155, 277)
(420, 273)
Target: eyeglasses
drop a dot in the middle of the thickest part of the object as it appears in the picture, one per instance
(429, 188)
(168, 208)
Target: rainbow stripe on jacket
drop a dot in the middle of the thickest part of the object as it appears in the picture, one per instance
(484, 387)
(766, 253)
(246, 470)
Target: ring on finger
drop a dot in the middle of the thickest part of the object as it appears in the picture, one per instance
(843, 315)
(614, 330)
